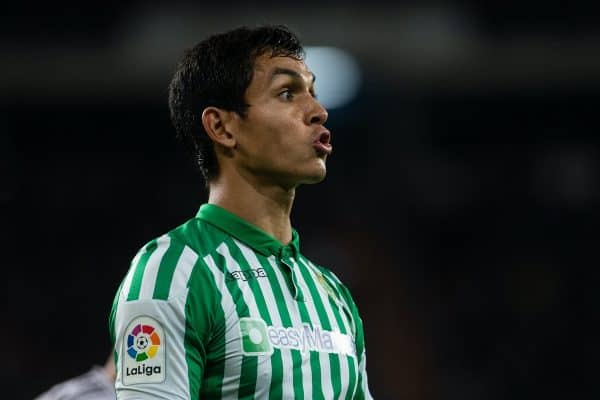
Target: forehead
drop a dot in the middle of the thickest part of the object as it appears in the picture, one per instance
(265, 66)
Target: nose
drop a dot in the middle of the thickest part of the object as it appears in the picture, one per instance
(318, 114)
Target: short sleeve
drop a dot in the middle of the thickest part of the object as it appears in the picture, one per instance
(159, 325)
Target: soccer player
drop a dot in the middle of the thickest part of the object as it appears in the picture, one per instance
(226, 306)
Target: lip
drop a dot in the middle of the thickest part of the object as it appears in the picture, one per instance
(322, 144)
(322, 148)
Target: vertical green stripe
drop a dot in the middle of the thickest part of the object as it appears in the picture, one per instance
(286, 320)
(249, 363)
(213, 384)
(237, 255)
(315, 363)
(248, 377)
(194, 354)
(113, 313)
(297, 378)
(334, 361)
(166, 270)
(276, 360)
(336, 286)
(315, 368)
(202, 315)
(360, 393)
(275, 390)
(138, 274)
(232, 286)
(111, 322)
(337, 315)
(337, 312)
(351, 360)
(357, 333)
(352, 367)
(213, 377)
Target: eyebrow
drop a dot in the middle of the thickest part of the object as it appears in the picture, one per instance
(291, 73)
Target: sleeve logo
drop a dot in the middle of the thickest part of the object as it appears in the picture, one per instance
(143, 352)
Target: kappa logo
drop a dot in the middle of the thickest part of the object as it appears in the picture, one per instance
(247, 274)
(144, 344)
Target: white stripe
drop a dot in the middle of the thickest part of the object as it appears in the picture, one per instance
(267, 293)
(118, 321)
(344, 372)
(171, 315)
(326, 383)
(348, 326)
(365, 381)
(182, 272)
(151, 270)
(264, 369)
(129, 277)
(232, 366)
(294, 311)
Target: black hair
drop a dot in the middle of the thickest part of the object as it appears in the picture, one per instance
(216, 72)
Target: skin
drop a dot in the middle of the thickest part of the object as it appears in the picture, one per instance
(109, 368)
(264, 156)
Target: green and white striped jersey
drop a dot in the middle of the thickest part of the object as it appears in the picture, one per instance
(219, 309)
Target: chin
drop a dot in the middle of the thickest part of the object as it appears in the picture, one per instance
(314, 180)
(315, 176)
(308, 174)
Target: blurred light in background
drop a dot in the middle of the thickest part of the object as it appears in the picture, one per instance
(338, 75)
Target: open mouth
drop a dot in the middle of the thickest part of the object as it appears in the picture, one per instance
(322, 144)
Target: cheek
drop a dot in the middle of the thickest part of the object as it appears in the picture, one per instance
(275, 135)
(280, 135)
(277, 149)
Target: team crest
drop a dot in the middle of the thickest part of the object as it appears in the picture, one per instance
(327, 286)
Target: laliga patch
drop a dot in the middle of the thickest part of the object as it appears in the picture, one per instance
(143, 353)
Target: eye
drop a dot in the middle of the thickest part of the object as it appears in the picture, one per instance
(287, 94)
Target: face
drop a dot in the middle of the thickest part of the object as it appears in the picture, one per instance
(282, 140)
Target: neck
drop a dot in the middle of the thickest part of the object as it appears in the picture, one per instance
(266, 206)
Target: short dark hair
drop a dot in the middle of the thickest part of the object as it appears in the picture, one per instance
(216, 72)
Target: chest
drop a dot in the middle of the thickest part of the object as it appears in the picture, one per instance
(283, 329)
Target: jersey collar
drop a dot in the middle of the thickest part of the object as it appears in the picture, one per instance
(244, 231)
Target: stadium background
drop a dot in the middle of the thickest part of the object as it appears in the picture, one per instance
(461, 204)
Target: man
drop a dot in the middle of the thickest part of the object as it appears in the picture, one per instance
(225, 306)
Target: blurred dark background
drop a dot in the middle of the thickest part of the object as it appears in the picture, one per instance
(461, 204)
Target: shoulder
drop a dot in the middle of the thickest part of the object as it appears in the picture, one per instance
(327, 273)
(196, 235)
(166, 266)
(332, 279)
(167, 286)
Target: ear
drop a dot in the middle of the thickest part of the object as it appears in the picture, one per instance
(216, 123)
